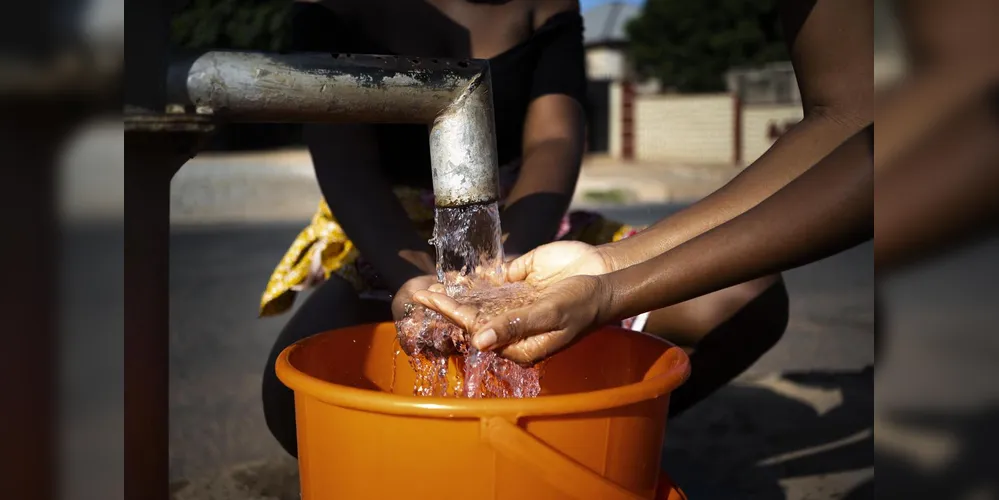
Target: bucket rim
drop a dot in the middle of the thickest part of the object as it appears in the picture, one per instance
(676, 373)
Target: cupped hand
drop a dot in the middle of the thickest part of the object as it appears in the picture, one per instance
(557, 261)
(564, 310)
(405, 294)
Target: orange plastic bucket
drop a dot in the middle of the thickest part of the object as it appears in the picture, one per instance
(596, 432)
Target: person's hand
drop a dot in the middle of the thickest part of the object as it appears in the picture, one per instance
(564, 310)
(557, 261)
(405, 294)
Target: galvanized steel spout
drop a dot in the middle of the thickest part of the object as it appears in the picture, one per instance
(453, 96)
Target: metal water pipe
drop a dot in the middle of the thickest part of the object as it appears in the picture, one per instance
(453, 97)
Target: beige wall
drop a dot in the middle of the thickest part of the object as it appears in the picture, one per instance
(692, 128)
(889, 67)
(756, 120)
(696, 128)
(614, 130)
(603, 63)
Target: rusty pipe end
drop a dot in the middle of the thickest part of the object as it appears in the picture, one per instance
(463, 148)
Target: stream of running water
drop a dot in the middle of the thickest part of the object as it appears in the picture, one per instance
(470, 265)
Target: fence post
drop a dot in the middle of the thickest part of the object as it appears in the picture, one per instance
(737, 129)
(627, 121)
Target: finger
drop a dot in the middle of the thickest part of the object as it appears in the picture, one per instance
(537, 347)
(488, 270)
(437, 288)
(464, 316)
(509, 327)
(520, 268)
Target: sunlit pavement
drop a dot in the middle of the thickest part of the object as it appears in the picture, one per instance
(798, 425)
(279, 186)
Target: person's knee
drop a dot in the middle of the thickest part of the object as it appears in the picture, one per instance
(756, 302)
(771, 310)
(756, 327)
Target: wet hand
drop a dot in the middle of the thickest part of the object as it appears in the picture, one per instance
(557, 261)
(563, 311)
(405, 294)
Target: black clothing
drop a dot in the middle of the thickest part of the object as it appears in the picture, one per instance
(551, 61)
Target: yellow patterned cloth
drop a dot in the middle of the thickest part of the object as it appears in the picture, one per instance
(323, 249)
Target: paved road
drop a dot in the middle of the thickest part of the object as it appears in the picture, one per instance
(280, 186)
(219, 443)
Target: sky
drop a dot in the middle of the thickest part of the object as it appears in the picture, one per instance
(588, 4)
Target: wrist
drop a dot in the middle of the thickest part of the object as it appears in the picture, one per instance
(604, 300)
(612, 256)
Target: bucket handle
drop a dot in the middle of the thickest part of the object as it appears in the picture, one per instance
(573, 478)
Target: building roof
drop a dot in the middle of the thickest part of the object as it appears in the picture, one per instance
(605, 24)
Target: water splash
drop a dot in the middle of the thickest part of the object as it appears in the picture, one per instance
(431, 375)
(469, 264)
(468, 241)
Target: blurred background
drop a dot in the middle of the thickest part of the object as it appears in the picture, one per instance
(670, 120)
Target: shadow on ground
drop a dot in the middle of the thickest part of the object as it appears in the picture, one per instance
(793, 436)
(275, 479)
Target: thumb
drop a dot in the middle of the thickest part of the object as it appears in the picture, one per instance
(512, 326)
(520, 268)
(462, 315)
(500, 330)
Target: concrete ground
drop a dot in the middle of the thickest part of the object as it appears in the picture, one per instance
(797, 425)
(218, 188)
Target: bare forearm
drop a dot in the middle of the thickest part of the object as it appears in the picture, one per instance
(941, 191)
(792, 154)
(363, 202)
(542, 195)
(920, 103)
(824, 211)
(830, 47)
(382, 232)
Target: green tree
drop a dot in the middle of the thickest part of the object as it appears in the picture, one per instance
(232, 24)
(690, 44)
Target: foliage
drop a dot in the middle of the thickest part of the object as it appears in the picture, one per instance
(609, 197)
(690, 44)
(232, 24)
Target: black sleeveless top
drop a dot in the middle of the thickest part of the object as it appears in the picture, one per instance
(551, 61)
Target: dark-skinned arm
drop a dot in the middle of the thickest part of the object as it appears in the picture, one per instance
(552, 141)
(830, 46)
(936, 156)
(553, 147)
(363, 202)
(822, 212)
(940, 192)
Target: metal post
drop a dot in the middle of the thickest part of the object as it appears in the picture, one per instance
(156, 146)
